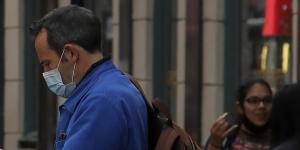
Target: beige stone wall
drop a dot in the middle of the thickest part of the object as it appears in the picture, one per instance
(141, 42)
(213, 54)
(116, 31)
(180, 47)
(14, 80)
(295, 39)
(14, 71)
(142, 16)
(142, 34)
(213, 59)
(63, 2)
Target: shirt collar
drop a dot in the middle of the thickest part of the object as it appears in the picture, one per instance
(94, 72)
(98, 63)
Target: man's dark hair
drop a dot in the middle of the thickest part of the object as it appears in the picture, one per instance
(70, 24)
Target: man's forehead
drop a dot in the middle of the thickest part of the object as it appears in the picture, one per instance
(44, 52)
(41, 39)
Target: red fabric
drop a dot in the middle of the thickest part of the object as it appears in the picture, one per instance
(278, 18)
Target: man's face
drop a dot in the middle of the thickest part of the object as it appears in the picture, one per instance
(49, 58)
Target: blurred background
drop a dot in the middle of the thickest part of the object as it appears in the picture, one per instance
(192, 54)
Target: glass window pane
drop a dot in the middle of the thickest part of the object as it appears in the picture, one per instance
(266, 50)
(103, 9)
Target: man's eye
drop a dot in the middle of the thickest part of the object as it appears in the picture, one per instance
(45, 65)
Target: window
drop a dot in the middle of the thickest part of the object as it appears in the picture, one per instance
(103, 9)
(257, 44)
(266, 50)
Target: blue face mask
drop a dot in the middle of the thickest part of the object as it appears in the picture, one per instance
(55, 83)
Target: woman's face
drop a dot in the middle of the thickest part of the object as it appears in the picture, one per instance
(258, 104)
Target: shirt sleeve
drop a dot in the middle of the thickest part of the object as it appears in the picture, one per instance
(99, 125)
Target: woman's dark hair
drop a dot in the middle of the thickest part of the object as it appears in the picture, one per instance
(246, 86)
(70, 24)
(285, 115)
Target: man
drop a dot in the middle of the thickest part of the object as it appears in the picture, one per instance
(103, 110)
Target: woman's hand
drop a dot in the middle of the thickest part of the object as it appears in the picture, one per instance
(220, 129)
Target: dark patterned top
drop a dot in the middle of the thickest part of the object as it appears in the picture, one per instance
(245, 140)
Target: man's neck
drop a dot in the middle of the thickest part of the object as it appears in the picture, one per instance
(87, 61)
(95, 58)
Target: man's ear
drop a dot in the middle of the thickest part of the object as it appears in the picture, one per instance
(71, 53)
(239, 107)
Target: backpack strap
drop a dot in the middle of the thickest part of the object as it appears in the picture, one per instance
(163, 109)
(163, 139)
(167, 139)
(156, 106)
(139, 87)
(154, 125)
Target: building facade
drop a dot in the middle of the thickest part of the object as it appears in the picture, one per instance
(192, 54)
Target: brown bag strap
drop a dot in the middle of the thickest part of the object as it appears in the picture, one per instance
(171, 134)
(162, 108)
(136, 84)
(153, 135)
(166, 139)
(156, 103)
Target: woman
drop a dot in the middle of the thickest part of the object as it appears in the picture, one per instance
(251, 129)
(285, 118)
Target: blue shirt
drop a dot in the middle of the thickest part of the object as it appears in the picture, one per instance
(105, 112)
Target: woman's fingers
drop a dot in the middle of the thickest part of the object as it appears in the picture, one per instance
(219, 122)
(220, 127)
(224, 127)
(230, 130)
(222, 117)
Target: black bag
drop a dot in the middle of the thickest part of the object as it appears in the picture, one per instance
(163, 133)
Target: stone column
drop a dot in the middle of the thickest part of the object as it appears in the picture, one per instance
(213, 63)
(180, 47)
(14, 81)
(116, 31)
(142, 43)
(295, 41)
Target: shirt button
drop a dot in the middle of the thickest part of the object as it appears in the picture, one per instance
(62, 108)
(62, 136)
